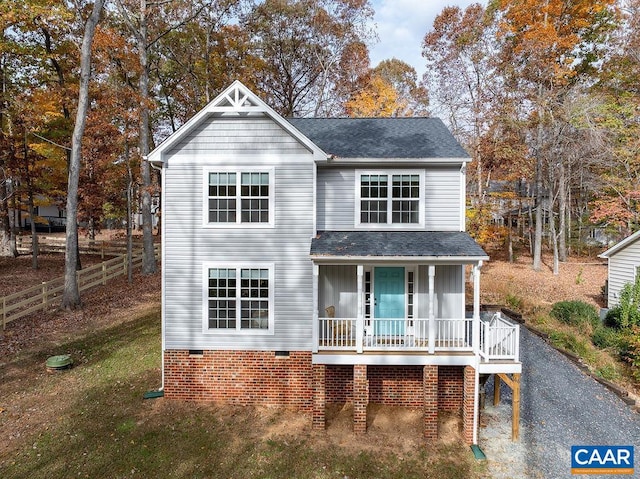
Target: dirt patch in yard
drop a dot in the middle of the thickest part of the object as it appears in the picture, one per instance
(502, 282)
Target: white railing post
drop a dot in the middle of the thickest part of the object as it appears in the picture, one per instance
(486, 331)
(475, 327)
(432, 319)
(315, 323)
(360, 317)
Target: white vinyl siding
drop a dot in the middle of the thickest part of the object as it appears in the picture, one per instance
(189, 246)
(449, 292)
(220, 136)
(338, 288)
(336, 199)
(443, 190)
(623, 266)
(444, 203)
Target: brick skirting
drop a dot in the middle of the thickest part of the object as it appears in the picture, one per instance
(450, 386)
(240, 377)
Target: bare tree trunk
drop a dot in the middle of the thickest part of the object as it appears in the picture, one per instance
(510, 238)
(30, 206)
(7, 237)
(148, 256)
(71, 293)
(553, 234)
(562, 214)
(129, 212)
(537, 243)
(34, 233)
(554, 240)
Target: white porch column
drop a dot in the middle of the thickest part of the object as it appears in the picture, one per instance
(360, 317)
(316, 320)
(432, 316)
(476, 307)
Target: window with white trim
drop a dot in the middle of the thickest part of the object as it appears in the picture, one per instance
(239, 297)
(239, 197)
(389, 198)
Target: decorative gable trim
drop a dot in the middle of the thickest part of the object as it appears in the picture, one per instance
(235, 99)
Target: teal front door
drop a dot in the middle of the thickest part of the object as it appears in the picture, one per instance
(389, 301)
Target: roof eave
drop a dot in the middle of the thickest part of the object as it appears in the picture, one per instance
(326, 258)
(335, 160)
(621, 245)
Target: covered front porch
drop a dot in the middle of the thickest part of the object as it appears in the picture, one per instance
(412, 301)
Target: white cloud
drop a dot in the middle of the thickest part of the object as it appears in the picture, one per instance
(402, 25)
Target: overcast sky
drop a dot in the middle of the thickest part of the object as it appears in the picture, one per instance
(402, 25)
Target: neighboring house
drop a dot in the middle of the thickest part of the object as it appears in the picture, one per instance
(624, 264)
(315, 261)
(49, 219)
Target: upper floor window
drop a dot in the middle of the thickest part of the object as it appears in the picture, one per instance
(243, 197)
(389, 198)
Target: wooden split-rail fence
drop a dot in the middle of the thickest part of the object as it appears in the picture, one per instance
(57, 244)
(41, 297)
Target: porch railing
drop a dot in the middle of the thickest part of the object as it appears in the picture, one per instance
(499, 337)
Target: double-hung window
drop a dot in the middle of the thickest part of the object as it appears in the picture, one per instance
(239, 197)
(389, 198)
(238, 298)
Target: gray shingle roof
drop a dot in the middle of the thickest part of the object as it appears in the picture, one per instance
(381, 137)
(444, 244)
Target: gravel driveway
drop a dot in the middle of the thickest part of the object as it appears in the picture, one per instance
(560, 407)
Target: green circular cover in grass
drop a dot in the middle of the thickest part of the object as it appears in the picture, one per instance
(58, 362)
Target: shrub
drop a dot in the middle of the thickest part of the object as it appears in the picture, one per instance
(606, 337)
(630, 350)
(570, 343)
(627, 313)
(612, 319)
(515, 302)
(575, 313)
(608, 371)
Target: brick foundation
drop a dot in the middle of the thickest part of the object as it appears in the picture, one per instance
(450, 386)
(319, 396)
(240, 377)
(339, 384)
(468, 402)
(430, 404)
(262, 378)
(360, 398)
(395, 385)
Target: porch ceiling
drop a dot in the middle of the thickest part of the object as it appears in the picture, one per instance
(455, 246)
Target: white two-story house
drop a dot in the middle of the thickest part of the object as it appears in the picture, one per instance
(314, 261)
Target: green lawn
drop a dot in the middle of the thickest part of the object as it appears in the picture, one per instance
(92, 422)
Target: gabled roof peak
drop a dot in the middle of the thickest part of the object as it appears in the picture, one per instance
(236, 98)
